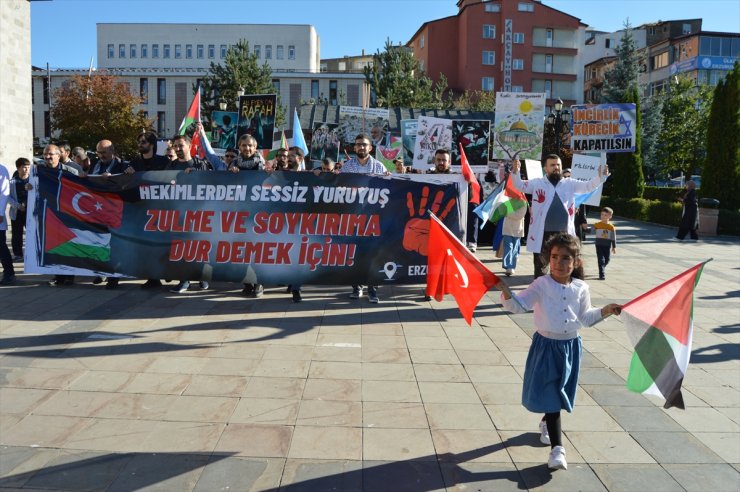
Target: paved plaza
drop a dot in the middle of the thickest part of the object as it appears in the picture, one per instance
(132, 390)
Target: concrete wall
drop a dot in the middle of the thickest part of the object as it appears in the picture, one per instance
(16, 137)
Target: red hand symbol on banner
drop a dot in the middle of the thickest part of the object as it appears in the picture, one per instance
(416, 232)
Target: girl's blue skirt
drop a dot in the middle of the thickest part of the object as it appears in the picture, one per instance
(551, 374)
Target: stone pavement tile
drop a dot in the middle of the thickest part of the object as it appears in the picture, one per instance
(201, 409)
(482, 357)
(385, 355)
(727, 377)
(314, 475)
(43, 430)
(421, 329)
(39, 378)
(183, 437)
(272, 411)
(390, 391)
(525, 447)
(290, 388)
(482, 477)
(608, 447)
(619, 477)
(201, 385)
(702, 378)
(259, 441)
(115, 435)
(21, 400)
(19, 463)
(473, 343)
(516, 357)
(335, 370)
(226, 472)
(448, 373)
(384, 341)
(703, 419)
(176, 365)
(7, 421)
(589, 418)
(440, 392)
(615, 395)
(220, 366)
(397, 444)
(137, 406)
(74, 403)
(79, 470)
(274, 368)
(468, 446)
(726, 445)
(337, 354)
(599, 375)
(383, 371)
(457, 416)
(385, 329)
(288, 352)
(614, 359)
(536, 476)
(641, 419)
(333, 390)
(422, 342)
(700, 478)
(394, 415)
(716, 396)
(161, 471)
(240, 351)
(499, 393)
(732, 413)
(433, 356)
(157, 383)
(330, 413)
(339, 340)
(492, 374)
(326, 443)
(513, 417)
(381, 476)
(122, 363)
(109, 381)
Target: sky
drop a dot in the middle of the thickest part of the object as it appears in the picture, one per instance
(63, 32)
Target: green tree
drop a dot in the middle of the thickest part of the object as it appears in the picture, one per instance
(87, 110)
(240, 71)
(652, 124)
(721, 176)
(476, 100)
(398, 81)
(627, 179)
(682, 141)
(619, 80)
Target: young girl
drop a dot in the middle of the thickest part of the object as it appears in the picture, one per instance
(562, 305)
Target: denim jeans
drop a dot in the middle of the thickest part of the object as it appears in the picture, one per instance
(511, 251)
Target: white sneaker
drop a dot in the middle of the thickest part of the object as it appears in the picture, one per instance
(356, 293)
(557, 459)
(472, 247)
(544, 435)
(508, 272)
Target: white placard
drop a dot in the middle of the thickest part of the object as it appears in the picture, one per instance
(584, 168)
(534, 168)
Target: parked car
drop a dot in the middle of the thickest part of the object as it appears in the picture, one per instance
(680, 182)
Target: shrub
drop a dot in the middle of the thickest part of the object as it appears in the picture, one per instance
(729, 222)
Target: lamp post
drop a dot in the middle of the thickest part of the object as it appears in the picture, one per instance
(222, 104)
(559, 121)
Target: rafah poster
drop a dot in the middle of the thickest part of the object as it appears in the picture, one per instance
(519, 125)
(473, 135)
(324, 142)
(256, 227)
(603, 127)
(431, 134)
(257, 118)
(223, 129)
(354, 120)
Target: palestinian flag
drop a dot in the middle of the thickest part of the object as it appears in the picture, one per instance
(283, 145)
(193, 114)
(77, 243)
(660, 326)
(504, 200)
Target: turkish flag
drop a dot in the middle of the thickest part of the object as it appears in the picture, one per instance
(90, 206)
(467, 173)
(452, 269)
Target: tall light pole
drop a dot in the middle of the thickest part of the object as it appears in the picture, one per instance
(559, 120)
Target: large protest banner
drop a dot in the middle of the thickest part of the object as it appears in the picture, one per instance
(604, 127)
(257, 118)
(519, 125)
(254, 227)
(354, 120)
(431, 134)
(223, 129)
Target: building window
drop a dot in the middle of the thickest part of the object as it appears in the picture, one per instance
(489, 57)
(188, 51)
(421, 41)
(525, 7)
(144, 90)
(161, 122)
(121, 51)
(111, 51)
(686, 29)
(268, 52)
(489, 31)
(291, 52)
(487, 83)
(493, 7)
(211, 51)
(144, 51)
(607, 43)
(132, 51)
(315, 90)
(166, 51)
(279, 52)
(333, 92)
(178, 51)
(161, 91)
(257, 51)
(276, 85)
(548, 63)
(45, 85)
(223, 51)
(421, 65)
(155, 51)
(199, 51)
(548, 89)
(518, 38)
(517, 64)
(47, 124)
(660, 61)
(517, 88)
